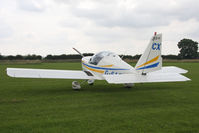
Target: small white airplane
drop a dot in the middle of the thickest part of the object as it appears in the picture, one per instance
(109, 66)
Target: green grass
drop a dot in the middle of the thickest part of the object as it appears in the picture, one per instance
(51, 106)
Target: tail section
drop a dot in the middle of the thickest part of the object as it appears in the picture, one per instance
(151, 59)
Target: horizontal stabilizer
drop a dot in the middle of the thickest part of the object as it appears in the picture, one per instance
(171, 69)
(47, 73)
(150, 77)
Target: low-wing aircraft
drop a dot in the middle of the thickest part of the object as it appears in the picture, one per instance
(109, 66)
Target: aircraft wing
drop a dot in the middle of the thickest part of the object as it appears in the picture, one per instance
(150, 77)
(48, 73)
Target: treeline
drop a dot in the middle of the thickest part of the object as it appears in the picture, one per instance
(75, 56)
(21, 57)
(170, 57)
(188, 50)
(64, 56)
(39, 57)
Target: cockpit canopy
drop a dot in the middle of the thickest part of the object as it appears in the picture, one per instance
(99, 56)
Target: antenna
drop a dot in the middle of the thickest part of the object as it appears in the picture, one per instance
(78, 52)
(123, 54)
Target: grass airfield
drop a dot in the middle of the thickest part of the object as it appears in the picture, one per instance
(51, 106)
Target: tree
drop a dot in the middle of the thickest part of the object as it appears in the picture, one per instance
(188, 49)
(170, 56)
(198, 55)
(19, 57)
(88, 54)
(10, 57)
(1, 57)
(49, 57)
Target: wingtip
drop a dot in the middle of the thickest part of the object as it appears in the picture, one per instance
(9, 73)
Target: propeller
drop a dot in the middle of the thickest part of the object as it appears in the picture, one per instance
(78, 52)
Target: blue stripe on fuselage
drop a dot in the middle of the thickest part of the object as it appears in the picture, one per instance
(103, 68)
(150, 66)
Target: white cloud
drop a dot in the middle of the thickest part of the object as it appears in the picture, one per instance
(5, 30)
(55, 26)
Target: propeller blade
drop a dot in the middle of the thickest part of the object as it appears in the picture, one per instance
(78, 52)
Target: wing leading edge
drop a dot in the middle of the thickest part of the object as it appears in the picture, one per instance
(48, 73)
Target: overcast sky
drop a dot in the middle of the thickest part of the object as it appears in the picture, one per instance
(121, 26)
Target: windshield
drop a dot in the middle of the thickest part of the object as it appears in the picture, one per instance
(98, 57)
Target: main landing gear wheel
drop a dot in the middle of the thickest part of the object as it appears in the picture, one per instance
(76, 85)
(129, 85)
(91, 81)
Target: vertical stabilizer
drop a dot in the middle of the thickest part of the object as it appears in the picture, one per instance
(151, 59)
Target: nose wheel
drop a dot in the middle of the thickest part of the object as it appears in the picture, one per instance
(91, 81)
(129, 85)
(76, 85)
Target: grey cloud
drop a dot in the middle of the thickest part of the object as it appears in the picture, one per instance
(179, 9)
(143, 13)
(31, 5)
(76, 2)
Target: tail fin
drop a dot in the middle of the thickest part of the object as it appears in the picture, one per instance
(151, 59)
